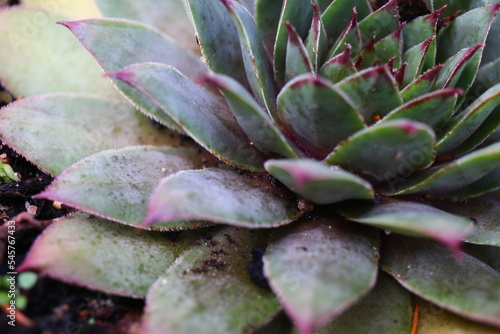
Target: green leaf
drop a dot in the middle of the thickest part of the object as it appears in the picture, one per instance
(469, 120)
(383, 151)
(209, 288)
(465, 286)
(339, 14)
(316, 40)
(299, 14)
(257, 67)
(373, 91)
(410, 218)
(256, 123)
(433, 109)
(202, 114)
(420, 29)
(492, 49)
(486, 184)
(297, 56)
(169, 17)
(419, 58)
(39, 57)
(320, 268)
(122, 181)
(221, 196)
(127, 43)
(99, 124)
(452, 6)
(102, 255)
(318, 182)
(350, 35)
(389, 47)
(448, 177)
(380, 23)
(27, 280)
(218, 37)
(267, 16)
(450, 75)
(339, 67)
(484, 212)
(421, 85)
(305, 108)
(386, 309)
(465, 31)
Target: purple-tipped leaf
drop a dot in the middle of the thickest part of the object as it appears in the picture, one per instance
(118, 184)
(433, 109)
(317, 115)
(421, 85)
(339, 67)
(384, 151)
(339, 14)
(297, 56)
(103, 255)
(451, 176)
(74, 127)
(373, 91)
(380, 23)
(454, 67)
(320, 268)
(203, 115)
(419, 58)
(465, 286)
(222, 196)
(420, 29)
(319, 183)
(317, 40)
(411, 218)
(209, 289)
(256, 123)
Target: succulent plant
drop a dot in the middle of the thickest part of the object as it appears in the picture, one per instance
(339, 158)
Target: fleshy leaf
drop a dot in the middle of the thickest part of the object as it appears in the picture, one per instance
(380, 23)
(202, 114)
(122, 181)
(419, 58)
(297, 56)
(410, 218)
(209, 287)
(469, 120)
(421, 85)
(221, 196)
(217, 36)
(316, 40)
(82, 249)
(256, 123)
(374, 91)
(420, 29)
(433, 109)
(267, 16)
(367, 56)
(317, 114)
(169, 17)
(454, 67)
(486, 184)
(299, 14)
(465, 31)
(338, 15)
(465, 286)
(451, 176)
(341, 268)
(40, 59)
(452, 6)
(383, 151)
(129, 42)
(484, 212)
(100, 125)
(350, 35)
(318, 182)
(386, 309)
(389, 47)
(339, 67)
(256, 64)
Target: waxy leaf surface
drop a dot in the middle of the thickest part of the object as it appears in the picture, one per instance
(74, 127)
(318, 182)
(118, 184)
(320, 268)
(222, 196)
(209, 287)
(81, 249)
